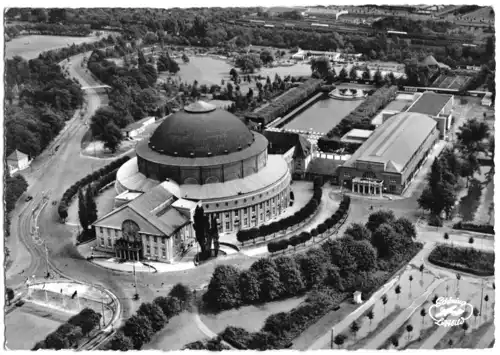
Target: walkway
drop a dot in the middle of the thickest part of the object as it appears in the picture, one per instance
(487, 338)
(149, 267)
(327, 207)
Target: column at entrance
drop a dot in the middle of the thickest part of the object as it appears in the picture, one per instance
(352, 186)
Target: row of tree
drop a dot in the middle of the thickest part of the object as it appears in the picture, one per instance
(362, 260)
(454, 162)
(283, 224)
(304, 237)
(207, 233)
(82, 183)
(39, 100)
(87, 211)
(150, 319)
(15, 186)
(68, 335)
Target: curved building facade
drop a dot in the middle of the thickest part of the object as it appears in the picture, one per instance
(209, 155)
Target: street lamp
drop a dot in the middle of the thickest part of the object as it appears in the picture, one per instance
(91, 253)
(149, 266)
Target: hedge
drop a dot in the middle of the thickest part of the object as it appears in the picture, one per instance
(464, 259)
(286, 102)
(104, 174)
(479, 228)
(304, 237)
(360, 118)
(305, 212)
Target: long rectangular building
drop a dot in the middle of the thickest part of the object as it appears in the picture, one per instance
(388, 160)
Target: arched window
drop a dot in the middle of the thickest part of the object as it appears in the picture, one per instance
(130, 231)
(190, 181)
(212, 180)
(369, 175)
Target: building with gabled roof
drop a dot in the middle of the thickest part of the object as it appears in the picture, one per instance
(437, 106)
(389, 158)
(17, 161)
(156, 225)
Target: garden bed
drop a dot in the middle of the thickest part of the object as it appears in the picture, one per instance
(467, 260)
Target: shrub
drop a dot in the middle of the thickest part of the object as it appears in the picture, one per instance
(479, 228)
(468, 260)
(435, 221)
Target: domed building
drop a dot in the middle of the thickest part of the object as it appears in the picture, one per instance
(206, 156)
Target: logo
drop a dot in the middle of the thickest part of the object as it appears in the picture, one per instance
(449, 311)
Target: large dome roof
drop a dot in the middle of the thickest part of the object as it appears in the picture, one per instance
(201, 131)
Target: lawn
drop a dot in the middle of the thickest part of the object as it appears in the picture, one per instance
(105, 202)
(179, 331)
(251, 318)
(29, 47)
(29, 324)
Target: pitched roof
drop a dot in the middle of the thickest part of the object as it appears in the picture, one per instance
(395, 141)
(430, 60)
(17, 155)
(430, 103)
(302, 148)
(152, 211)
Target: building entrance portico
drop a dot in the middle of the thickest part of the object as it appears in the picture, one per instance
(367, 186)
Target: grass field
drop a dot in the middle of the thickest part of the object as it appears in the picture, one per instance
(30, 47)
(251, 318)
(29, 324)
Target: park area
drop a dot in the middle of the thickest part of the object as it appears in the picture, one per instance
(29, 47)
(211, 71)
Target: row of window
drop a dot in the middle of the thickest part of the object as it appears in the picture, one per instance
(155, 251)
(348, 175)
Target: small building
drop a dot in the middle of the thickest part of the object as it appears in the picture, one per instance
(356, 297)
(356, 136)
(391, 156)
(136, 128)
(437, 106)
(17, 161)
(486, 100)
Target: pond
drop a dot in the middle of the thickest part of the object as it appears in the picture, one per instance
(323, 115)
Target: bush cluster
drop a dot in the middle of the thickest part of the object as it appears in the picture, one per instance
(106, 173)
(304, 237)
(468, 260)
(286, 102)
(151, 318)
(360, 118)
(69, 334)
(480, 228)
(264, 230)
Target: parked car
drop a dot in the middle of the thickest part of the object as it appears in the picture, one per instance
(29, 198)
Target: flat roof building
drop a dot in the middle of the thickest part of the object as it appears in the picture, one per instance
(437, 106)
(389, 158)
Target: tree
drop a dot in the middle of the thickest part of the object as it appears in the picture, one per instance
(155, 315)
(183, 293)
(434, 299)
(421, 268)
(82, 210)
(475, 312)
(370, 315)
(472, 134)
(353, 73)
(248, 62)
(290, 275)
(200, 229)
(354, 328)
(138, 328)
(266, 57)
(249, 287)
(112, 137)
(9, 294)
(313, 266)
(87, 320)
(223, 290)
(170, 306)
(91, 207)
(395, 341)
(486, 299)
(56, 341)
(339, 340)
(471, 240)
(465, 327)
(378, 218)
(446, 236)
(409, 329)
(423, 313)
(384, 301)
(458, 281)
(121, 342)
(398, 290)
(382, 239)
(185, 58)
(377, 78)
(364, 254)
(271, 286)
(141, 58)
(359, 232)
(321, 66)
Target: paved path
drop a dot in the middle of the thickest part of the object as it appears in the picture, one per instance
(487, 338)
(382, 336)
